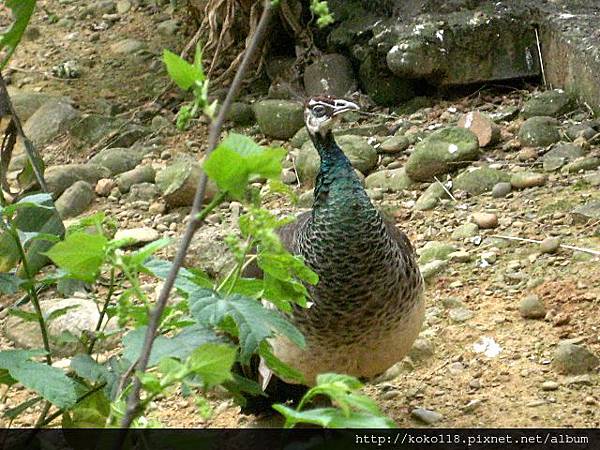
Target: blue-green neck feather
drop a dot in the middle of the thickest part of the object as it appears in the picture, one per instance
(337, 182)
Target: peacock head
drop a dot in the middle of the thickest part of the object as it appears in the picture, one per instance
(322, 113)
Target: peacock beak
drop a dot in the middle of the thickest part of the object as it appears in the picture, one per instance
(342, 106)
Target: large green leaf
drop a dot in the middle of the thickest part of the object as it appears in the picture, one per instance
(255, 323)
(212, 363)
(22, 11)
(80, 255)
(183, 74)
(91, 412)
(186, 281)
(237, 158)
(87, 368)
(49, 382)
(180, 346)
(332, 418)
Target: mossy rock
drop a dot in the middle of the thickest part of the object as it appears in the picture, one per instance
(479, 180)
(441, 152)
(279, 119)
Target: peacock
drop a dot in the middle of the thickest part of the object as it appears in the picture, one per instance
(367, 308)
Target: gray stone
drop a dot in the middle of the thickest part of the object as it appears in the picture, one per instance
(177, 182)
(119, 160)
(123, 6)
(523, 180)
(573, 359)
(143, 192)
(539, 131)
(501, 189)
(461, 49)
(435, 250)
(593, 179)
(485, 220)
(26, 103)
(241, 114)
(361, 154)
(168, 27)
(394, 180)
(75, 199)
(479, 180)
(141, 174)
(300, 138)
(137, 236)
(93, 128)
(561, 153)
(431, 197)
(330, 74)
(442, 152)
(465, 231)
(101, 7)
(279, 119)
(127, 46)
(426, 416)
(531, 307)
(587, 212)
(550, 245)
(81, 316)
(381, 85)
(582, 164)
(160, 123)
(580, 130)
(548, 103)
(422, 350)
(50, 119)
(306, 199)
(59, 178)
(432, 268)
(394, 144)
(460, 314)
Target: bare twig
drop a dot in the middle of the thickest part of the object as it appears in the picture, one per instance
(535, 241)
(445, 189)
(539, 49)
(194, 223)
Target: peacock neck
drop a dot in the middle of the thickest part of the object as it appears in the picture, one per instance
(337, 182)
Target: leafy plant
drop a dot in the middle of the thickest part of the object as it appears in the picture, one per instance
(190, 77)
(352, 409)
(22, 11)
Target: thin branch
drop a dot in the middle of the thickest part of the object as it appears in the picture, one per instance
(539, 49)
(535, 241)
(194, 223)
(109, 295)
(445, 189)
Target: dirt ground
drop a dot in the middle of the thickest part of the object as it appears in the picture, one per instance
(468, 389)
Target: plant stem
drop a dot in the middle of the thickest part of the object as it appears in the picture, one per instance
(237, 270)
(195, 221)
(111, 290)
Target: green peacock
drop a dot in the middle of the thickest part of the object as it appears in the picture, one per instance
(367, 308)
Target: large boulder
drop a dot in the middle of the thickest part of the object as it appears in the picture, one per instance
(279, 119)
(75, 199)
(548, 103)
(330, 75)
(441, 152)
(539, 131)
(479, 180)
(381, 85)
(560, 154)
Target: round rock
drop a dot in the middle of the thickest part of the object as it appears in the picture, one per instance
(550, 245)
(531, 307)
(485, 220)
(574, 359)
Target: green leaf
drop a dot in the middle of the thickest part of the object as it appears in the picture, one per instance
(212, 363)
(255, 323)
(91, 412)
(187, 281)
(179, 346)
(9, 283)
(182, 72)
(280, 369)
(137, 258)
(87, 368)
(59, 312)
(237, 158)
(49, 382)
(10, 38)
(26, 316)
(80, 254)
(332, 418)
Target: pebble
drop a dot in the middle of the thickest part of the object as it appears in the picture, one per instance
(104, 186)
(531, 307)
(460, 314)
(550, 245)
(501, 189)
(485, 220)
(550, 386)
(138, 236)
(426, 416)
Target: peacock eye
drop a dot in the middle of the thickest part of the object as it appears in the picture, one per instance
(319, 110)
